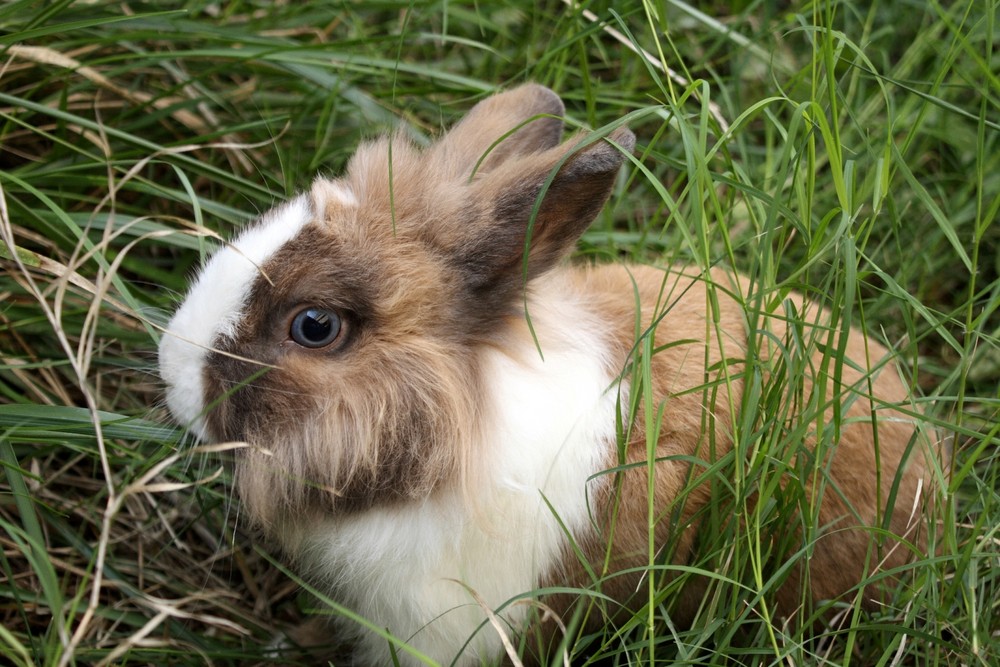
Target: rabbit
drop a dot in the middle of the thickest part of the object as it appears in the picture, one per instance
(436, 405)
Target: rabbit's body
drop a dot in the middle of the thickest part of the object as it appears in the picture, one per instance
(430, 456)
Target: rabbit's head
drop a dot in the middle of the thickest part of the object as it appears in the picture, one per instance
(337, 336)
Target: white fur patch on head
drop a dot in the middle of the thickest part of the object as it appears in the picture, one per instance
(214, 306)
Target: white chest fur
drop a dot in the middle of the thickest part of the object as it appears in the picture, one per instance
(413, 568)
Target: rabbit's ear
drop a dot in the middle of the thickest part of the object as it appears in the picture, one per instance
(471, 142)
(490, 247)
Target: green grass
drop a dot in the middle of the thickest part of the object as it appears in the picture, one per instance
(847, 150)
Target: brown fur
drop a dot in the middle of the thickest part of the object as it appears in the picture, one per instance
(429, 266)
(697, 396)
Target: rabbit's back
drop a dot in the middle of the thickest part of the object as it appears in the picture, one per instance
(838, 427)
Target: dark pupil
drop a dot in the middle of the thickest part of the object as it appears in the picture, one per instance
(315, 327)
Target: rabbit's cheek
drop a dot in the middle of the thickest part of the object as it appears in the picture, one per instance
(234, 385)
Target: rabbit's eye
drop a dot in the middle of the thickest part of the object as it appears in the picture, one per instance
(315, 327)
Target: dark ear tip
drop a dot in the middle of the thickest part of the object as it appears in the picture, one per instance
(605, 155)
(624, 138)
